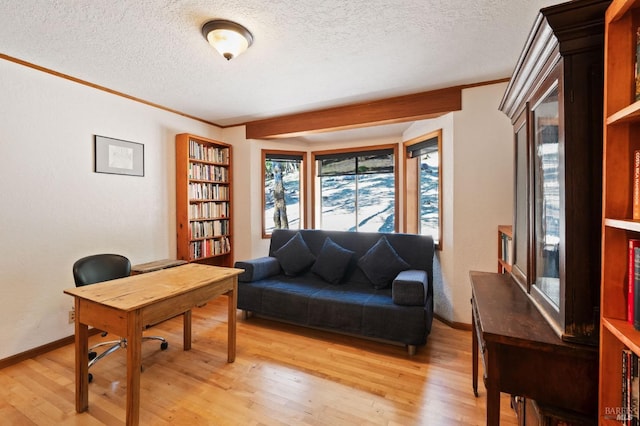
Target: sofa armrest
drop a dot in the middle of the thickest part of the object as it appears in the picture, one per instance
(257, 269)
(410, 288)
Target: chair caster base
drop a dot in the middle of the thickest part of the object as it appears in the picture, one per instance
(164, 346)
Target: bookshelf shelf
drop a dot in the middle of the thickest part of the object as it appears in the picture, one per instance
(623, 331)
(621, 131)
(628, 114)
(203, 200)
(623, 224)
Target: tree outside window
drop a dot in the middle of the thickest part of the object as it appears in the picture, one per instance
(283, 196)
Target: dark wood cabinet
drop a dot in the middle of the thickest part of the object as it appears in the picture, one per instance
(522, 355)
(537, 328)
(554, 100)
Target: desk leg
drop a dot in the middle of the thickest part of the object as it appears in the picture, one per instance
(493, 387)
(474, 354)
(186, 330)
(134, 363)
(82, 362)
(233, 306)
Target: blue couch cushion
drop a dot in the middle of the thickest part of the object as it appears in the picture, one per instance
(410, 288)
(257, 269)
(332, 262)
(294, 256)
(381, 263)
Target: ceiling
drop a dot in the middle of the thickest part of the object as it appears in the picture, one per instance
(306, 55)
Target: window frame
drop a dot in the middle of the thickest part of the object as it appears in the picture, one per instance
(315, 188)
(411, 189)
(302, 188)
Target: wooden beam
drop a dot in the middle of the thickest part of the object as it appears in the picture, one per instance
(418, 106)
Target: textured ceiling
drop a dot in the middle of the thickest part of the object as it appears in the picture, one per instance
(307, 54)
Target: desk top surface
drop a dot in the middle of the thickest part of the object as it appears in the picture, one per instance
(137, 291)
(508, 316)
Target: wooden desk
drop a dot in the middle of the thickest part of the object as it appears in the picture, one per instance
(521, 353)
(124, 306)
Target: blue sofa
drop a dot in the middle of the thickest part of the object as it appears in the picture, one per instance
(374, 285)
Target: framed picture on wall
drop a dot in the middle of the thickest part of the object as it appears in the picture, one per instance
(116, 156)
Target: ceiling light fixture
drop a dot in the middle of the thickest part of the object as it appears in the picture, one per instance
(227, 37)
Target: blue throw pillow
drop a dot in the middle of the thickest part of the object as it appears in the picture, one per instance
(381, 263)
(332, 262)
(294, 256)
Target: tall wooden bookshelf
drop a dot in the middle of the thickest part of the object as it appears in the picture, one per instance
(621, 139)
(505, 248)
(203, 200)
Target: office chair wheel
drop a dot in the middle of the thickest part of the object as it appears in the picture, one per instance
(164, 346)
(92, 355)
(90, 377)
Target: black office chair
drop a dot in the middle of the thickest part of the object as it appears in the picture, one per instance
(104, 267)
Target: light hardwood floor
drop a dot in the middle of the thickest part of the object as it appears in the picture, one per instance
(283, 375)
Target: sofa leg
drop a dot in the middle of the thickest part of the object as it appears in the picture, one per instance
(246, 314)
(411, 349)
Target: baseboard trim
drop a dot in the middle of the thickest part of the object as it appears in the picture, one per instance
(31, 353)
(453, 324)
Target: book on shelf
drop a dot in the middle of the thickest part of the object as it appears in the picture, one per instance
(637, 65)
(633, 280)
(636, 184)
(636, 288)
(630, 389)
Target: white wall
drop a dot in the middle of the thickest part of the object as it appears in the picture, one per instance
(54, 209)
(483, 189)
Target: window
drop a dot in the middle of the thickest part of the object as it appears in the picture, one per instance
(424, 186)
(283, 183)
(356, 190)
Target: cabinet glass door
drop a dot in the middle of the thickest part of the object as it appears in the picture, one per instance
(547, 197)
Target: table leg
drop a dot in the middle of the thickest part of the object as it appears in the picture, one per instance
(474, 354)
(233, 305)
(134, 363)
(186, 330)
(82, 362)
(493, 388)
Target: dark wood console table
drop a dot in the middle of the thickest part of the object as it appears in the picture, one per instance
(521, 353)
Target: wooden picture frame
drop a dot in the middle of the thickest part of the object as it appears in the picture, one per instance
(120, 157)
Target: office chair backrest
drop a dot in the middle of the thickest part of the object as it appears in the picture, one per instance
(100, 267)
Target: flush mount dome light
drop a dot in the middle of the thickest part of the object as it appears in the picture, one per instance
(227, 37)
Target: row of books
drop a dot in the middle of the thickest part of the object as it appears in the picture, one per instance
(208, 248)
(628, 413)
(209, 210)
(198, 151)
(208, 229)
(633, 283)
(208, 191)
(208, 172)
